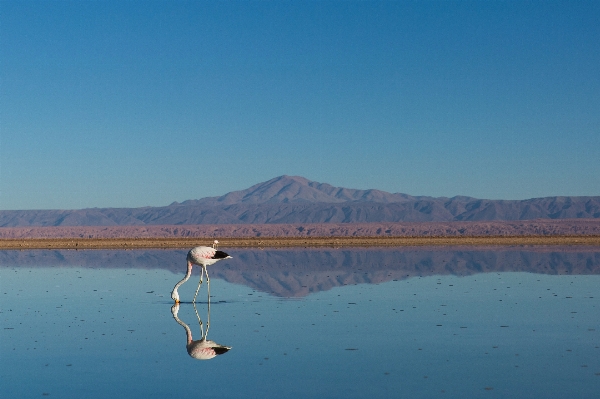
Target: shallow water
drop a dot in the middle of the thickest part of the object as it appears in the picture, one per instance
(414, 323)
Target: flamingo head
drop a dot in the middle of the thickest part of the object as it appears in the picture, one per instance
(175, 295)
(175, 309)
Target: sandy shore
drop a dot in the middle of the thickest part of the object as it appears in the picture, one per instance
(274, 242)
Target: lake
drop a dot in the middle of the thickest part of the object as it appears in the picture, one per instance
(329, 323)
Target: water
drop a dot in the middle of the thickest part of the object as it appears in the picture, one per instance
(413, 323)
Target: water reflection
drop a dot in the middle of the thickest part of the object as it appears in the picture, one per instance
(72, 320)
(298, 273)
(203, 348)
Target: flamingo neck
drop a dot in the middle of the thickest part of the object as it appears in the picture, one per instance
(174, 293)
(188, 331)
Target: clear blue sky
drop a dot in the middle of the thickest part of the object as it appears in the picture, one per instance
(127, 104)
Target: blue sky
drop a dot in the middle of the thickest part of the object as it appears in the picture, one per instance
(127, 104)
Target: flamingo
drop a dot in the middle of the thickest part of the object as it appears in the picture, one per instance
(203, 257)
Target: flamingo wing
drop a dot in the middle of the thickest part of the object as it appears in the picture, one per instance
(201, 253)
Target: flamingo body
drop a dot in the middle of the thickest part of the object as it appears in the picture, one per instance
(205, 256)
(205, 349)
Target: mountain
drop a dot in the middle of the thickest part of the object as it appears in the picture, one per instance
(297, 189)
(294, 199)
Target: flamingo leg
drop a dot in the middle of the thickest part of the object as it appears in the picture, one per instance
(208, 319)
(199, 284)
(199, 321)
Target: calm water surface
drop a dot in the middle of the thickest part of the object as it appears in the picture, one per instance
(407, 323)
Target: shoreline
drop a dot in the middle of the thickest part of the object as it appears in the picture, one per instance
(291, 242)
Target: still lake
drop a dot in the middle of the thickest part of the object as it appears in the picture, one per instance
(328, 323)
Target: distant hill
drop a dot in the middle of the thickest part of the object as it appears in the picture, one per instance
(294, 199)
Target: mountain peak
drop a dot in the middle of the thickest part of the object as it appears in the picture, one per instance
(298, 189)
(279, 189)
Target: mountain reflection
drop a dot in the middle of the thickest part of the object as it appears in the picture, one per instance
(203, 348)
(299, 272)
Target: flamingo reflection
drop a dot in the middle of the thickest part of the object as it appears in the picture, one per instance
(202, 349)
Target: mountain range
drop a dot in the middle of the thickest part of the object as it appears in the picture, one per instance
(294, 199)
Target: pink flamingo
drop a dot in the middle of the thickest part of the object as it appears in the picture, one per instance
(203, 257)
